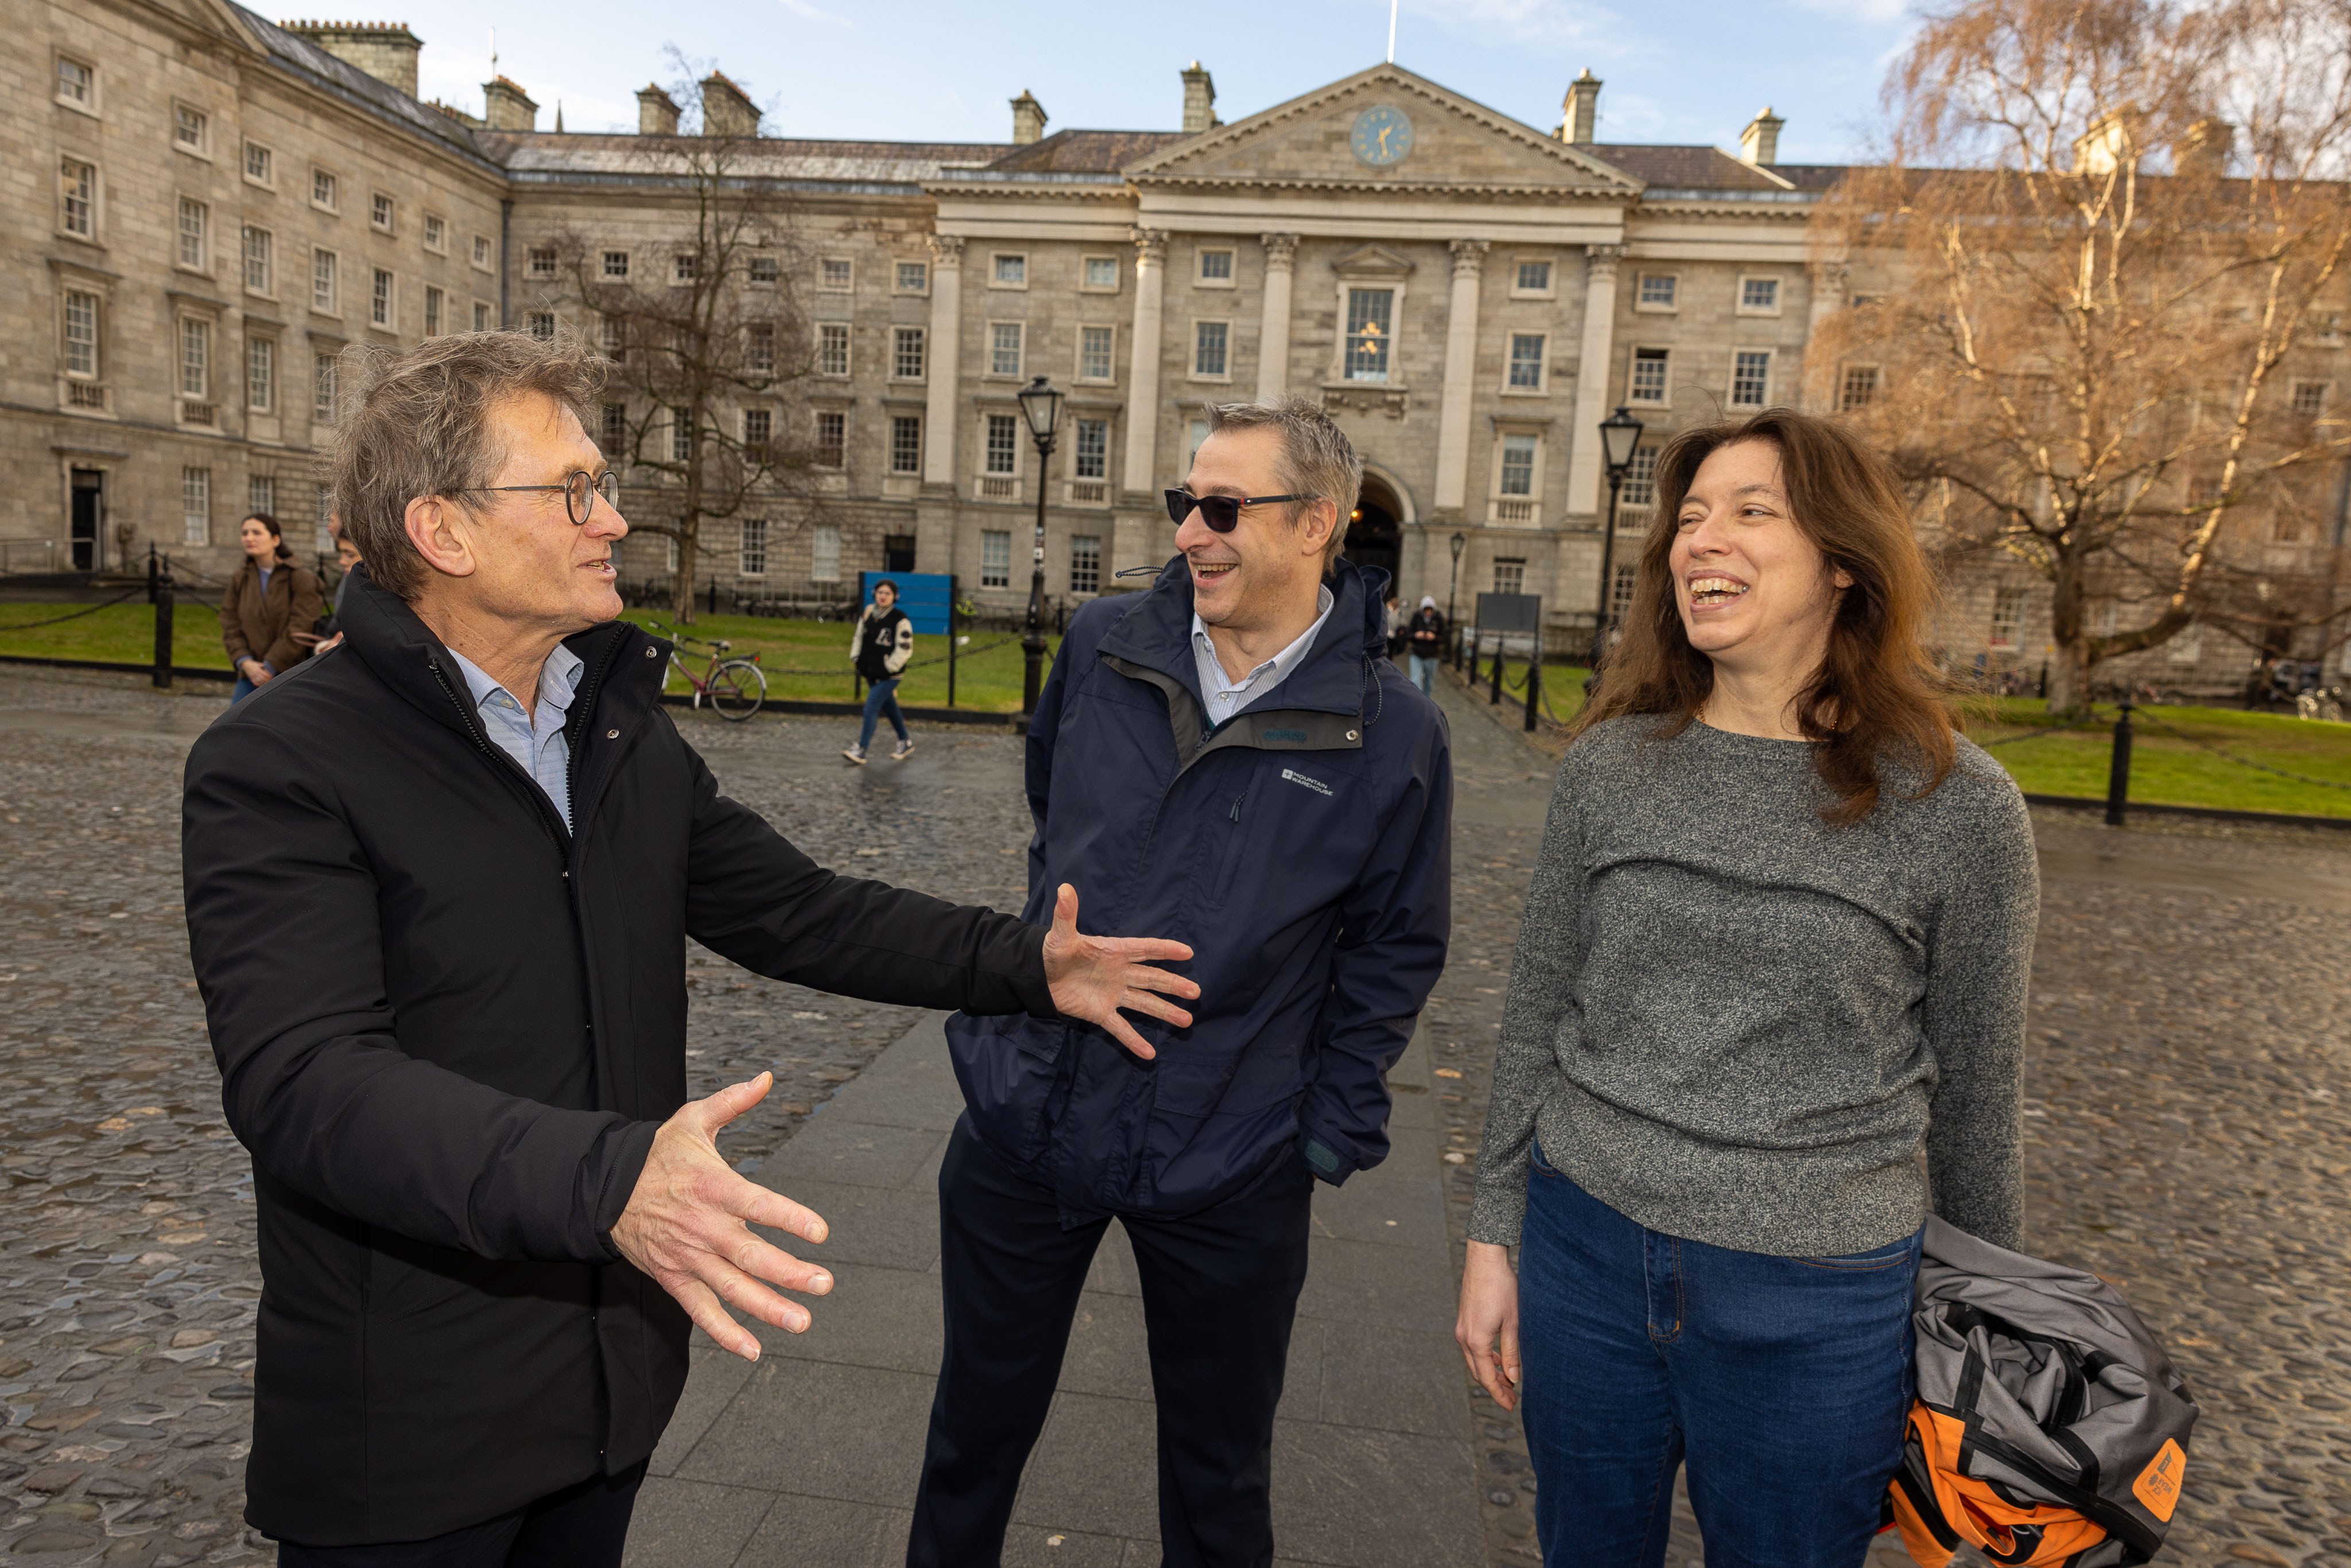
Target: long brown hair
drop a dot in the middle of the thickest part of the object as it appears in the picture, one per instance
(1876, 698)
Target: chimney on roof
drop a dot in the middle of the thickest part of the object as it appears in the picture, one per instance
(2109, 143)
(1760, 143)
(656, 112)
(728, 109)
(385, 50)
(1199, 99)
(1578, 113)
(507, 107)
(2202, 151)
(1027, 119)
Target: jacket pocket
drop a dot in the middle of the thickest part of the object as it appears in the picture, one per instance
(1238, 822)
(1890, 1256)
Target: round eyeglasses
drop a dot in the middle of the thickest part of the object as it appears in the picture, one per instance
(579, 491)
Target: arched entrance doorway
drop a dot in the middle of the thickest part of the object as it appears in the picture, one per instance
(1376, 533)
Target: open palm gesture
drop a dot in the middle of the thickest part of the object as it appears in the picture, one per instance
(1093, 977)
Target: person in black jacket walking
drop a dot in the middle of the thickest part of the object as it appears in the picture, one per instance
(487, 1214)
(880, 647)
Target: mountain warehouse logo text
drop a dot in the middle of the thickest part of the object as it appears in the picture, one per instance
(1314, 784)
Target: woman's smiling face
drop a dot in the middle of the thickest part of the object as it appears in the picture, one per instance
(1753, 589)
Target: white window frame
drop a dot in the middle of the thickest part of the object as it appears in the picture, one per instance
(383, 299)
(260, 347)
(816, 440)
(685, 267)
(541, 264)
(244, 260)
(891, 456)
(1393, 289)
(614, 263)
(824, 541)
(1550, 291)
(987, 428)
(1222, 377)
(1779, 294)
(202, 147)
(2325, 391)
(485, 316)
(1845, 375)
(181, 208)
(995, 330)
(436, 311)
(323, 387)
(261, 493)
(1640, 491)
(434, 222)
(1200, 254)
(90, 105)
(762, 268)
(1671, 306)
(195, 505)
(534, 320)
(898, 266)
(1078, 454)
(899, 337)
(1078, 370)
(92, 197)
(1072, 578)
(268, 179)
(827, 333)
(996, 267)
(1731, 389)
(333, 307)
(334, 202)
(2021, 601)
(384, 212)
(194, 356)
(1633, 361)
(65, 340)
(1511, 567)
(995, 573)
(1511, 361)
(1504, 434)
(483, 253)
(824, 275)
(751, 548)
(1085, 286)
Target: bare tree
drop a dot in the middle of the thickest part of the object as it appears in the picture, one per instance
(2106, 231)
(709, 346)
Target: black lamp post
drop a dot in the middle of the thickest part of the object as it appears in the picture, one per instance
(1620, 434)
(1451, 589)
(1041, 405)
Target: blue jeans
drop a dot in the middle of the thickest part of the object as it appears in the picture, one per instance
(1424, 673)
(244, 688)
(1785, 1382)
(882, 697)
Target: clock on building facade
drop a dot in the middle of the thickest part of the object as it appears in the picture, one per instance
(1382, 137)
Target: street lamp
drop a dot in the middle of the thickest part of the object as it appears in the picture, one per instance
(1459, 541)
(1620, 436)
(1041, 405)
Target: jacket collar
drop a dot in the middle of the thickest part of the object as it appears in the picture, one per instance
(1156, 634)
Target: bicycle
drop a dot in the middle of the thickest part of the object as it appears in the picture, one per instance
(736, 688)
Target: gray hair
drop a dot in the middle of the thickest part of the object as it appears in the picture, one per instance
(1317, 458)
(416, 422)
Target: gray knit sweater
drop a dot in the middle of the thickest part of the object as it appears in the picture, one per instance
(1734, 1023)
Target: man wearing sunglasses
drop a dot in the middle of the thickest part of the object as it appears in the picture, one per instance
(439, 892)
(1231, 758)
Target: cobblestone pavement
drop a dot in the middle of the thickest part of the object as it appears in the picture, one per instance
(2187, 1112)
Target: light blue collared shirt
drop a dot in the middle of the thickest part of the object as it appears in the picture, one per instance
(535, 740)
(1227, 696)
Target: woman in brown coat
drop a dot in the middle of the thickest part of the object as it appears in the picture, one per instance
(269, 609)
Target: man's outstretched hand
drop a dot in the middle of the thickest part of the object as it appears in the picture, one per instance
(688, 1225)
(1093, 977)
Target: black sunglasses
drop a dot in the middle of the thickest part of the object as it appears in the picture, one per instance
(1221, 513)
(579, 492)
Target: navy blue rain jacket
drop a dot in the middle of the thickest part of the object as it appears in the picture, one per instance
(1304, 849)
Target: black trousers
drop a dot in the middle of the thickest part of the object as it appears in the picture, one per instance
(582, 1526)
(1219, 1293)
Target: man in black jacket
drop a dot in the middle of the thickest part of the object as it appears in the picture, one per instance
(441, 935)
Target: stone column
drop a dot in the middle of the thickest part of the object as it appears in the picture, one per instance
(946, 360)
(1593, 371)
(1460, 357)
(1140, 475)
(1831, 279)
(1273, 337)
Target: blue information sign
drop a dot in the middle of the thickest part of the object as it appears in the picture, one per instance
(923, 595)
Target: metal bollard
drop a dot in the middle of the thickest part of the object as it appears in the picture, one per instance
(1534, 692)
(1496, 700)
(2118, 771)
(161, 586)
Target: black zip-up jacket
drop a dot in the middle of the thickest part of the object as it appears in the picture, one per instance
(447, 1029)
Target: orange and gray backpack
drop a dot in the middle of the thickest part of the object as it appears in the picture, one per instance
(2049, 1429)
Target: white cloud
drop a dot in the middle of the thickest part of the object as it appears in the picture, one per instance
(1523, 22)
(809, 13)
(1875, 13)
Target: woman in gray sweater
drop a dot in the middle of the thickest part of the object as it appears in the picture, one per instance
(1768, 1006)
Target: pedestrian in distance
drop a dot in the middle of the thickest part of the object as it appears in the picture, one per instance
(328, 632)
(439, 892)
(268, 608)
(1231, 757)
(1425, 644)
(880, 645)
(1392, 618)
(1776, 948)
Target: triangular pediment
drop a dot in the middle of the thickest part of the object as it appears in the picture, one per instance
(1371, 261)
(1383, 128)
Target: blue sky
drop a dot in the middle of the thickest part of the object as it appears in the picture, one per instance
(1676, 70)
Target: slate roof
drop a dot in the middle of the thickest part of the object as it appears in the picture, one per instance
(349, 81)
(1680, 168)
(898, 165)
(1087, 152)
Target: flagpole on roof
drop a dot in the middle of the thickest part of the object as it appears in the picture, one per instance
(1392, 16)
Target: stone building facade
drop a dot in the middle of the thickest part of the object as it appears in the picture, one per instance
(221, 204)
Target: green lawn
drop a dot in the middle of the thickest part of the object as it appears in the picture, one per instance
(990, 680)
(2167, 767)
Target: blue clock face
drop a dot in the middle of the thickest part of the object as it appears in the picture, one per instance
(1382, 137)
